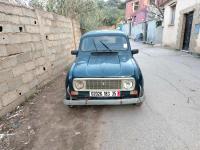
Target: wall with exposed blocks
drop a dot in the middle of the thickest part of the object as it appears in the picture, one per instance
(34, 48)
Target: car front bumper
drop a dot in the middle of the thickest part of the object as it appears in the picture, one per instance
(104, 101)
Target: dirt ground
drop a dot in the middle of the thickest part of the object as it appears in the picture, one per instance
(43, 122)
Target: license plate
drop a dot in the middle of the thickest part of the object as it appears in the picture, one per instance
(104, 93)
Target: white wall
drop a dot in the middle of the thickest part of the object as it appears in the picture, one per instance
(170, 32)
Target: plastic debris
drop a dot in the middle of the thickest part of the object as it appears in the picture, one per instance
(77, 133)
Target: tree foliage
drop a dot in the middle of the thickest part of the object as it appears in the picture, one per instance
(91, 13)
(155, 11)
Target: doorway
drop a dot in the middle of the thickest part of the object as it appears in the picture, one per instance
(188, 29)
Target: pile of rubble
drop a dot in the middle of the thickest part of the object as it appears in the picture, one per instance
(10, 135)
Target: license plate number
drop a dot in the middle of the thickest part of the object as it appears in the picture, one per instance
(104, 93)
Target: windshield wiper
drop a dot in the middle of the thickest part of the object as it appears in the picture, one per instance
(106, 46)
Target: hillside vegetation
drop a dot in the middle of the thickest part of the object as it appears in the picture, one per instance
(91, 13)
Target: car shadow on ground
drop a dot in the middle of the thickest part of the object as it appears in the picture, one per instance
(105, 107)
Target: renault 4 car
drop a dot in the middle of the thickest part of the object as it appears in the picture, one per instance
(104, 72)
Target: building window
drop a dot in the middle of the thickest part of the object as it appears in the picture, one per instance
(133, 7)
(173, 14)
(136, 6)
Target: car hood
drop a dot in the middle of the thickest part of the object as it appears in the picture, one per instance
(104, 65)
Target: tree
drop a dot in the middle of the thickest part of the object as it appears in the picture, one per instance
(113, 3)
(38, 4)
(112, 16)
(91, 13)
(155, 11)
(113, 11)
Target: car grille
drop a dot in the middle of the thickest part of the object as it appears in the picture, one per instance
(103, 84)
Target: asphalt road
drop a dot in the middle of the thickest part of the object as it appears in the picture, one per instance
(169, 119)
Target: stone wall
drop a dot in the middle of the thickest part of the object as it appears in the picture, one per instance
(34, 48)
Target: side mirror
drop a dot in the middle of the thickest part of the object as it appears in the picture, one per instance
(135, 51)
(74, 52)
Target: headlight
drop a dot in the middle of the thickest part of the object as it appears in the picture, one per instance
(78, 84)
(129, 84)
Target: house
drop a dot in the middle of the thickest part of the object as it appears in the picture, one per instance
(144, 20)
(136, 16)
(136, 10)
(129, 10)
(182, 25)
(127, 26)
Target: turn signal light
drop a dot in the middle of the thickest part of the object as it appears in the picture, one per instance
(134, 92)
(74, 93)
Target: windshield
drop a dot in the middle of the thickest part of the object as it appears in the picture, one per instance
(104, 43)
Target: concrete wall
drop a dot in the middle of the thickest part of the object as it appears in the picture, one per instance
(159, 35)
(137, 29)
(176, 31)
(34, 48)
(131, 30)
(126, 28)
(151, 30)
(154, 33)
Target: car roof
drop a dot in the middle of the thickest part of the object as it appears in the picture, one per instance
(104, 32)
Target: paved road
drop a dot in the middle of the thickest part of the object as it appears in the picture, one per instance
(168, 120)
(170, 117)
